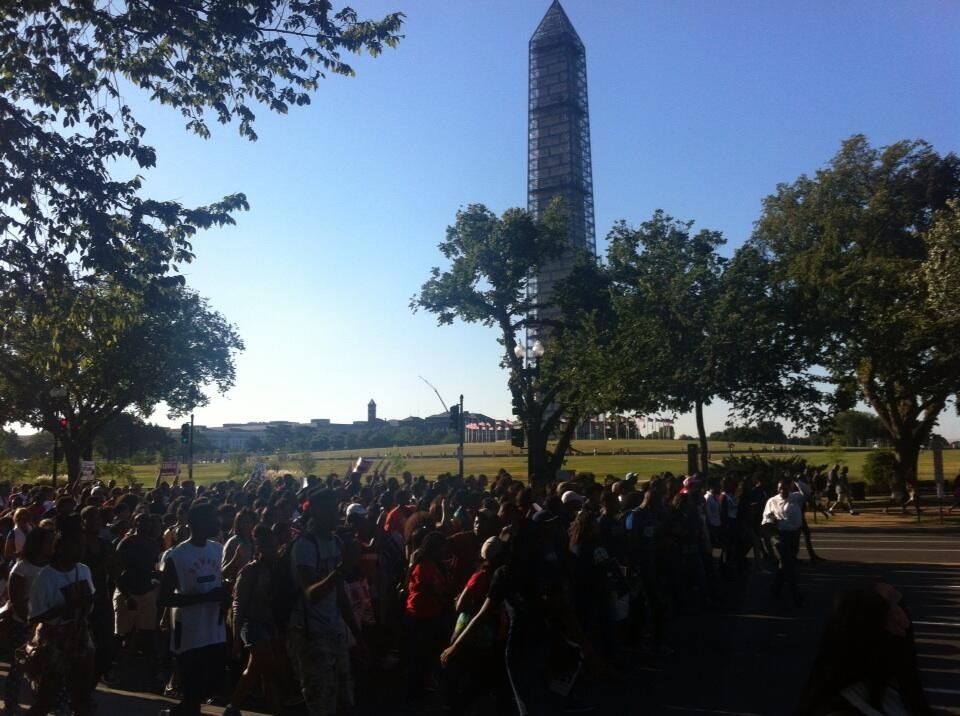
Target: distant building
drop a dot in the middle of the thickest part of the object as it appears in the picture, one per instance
(231, 437)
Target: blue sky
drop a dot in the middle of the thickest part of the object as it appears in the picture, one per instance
(699, 108)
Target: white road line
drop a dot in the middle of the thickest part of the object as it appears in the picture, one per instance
(943, 624)
(887, 541)
(952, 692)
(889, 549)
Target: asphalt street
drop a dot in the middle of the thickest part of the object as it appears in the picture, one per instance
(753, 656)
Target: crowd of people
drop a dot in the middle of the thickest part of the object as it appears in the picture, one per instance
(483, 595)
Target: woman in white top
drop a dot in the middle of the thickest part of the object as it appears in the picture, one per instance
(61, 599)
(22, 524)
(37, 552)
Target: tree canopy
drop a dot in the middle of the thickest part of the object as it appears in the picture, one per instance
(91, 351)
(864, 255)
(66, 70)
(491, 262)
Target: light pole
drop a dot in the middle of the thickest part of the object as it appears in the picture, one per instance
(530, 361)
(56, 393)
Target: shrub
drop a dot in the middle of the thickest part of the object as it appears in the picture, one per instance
(879, 469)
(746, 466)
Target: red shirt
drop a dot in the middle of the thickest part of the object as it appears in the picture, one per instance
(396, 518)
(427, 592)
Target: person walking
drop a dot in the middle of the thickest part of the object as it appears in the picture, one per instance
(316, 641)
(255, 625)
(35, 555)
(191, 585)
(782, 519)
(61, 599)
(842, 486)
(807, 489)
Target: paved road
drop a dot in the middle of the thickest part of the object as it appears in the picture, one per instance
(751, 656)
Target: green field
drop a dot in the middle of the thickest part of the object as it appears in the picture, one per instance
(649, 457)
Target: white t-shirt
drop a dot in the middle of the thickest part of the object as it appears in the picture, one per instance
(19, 539)
(47, 591)
(786, 514)
(198, 572)
(27, 571)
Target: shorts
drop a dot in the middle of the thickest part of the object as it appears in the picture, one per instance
(141, 618)
(253, 633)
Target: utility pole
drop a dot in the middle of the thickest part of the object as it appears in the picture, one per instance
(460, 434)
(53, 476)
(190, 452)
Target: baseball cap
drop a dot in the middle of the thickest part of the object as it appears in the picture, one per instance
(355, 509)
(571, 497)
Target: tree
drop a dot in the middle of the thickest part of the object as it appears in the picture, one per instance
(91, 351)
(668, 284)
(65, 70)
(72, 226)
(126, 435)
(306, 462)
(858, 427)
(492, 260)
(864, 254)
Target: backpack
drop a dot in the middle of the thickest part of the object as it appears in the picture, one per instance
(286, 590)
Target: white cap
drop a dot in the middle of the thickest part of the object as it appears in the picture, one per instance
(355, 509)
(570, 496)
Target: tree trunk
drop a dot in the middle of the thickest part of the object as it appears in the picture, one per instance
(563, 444)
(702, 435)
(907, 450)
(537, 459)
(72, 452)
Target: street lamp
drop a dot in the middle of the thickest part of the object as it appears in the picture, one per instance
(55, 393)
(531, 372)
(536, 350)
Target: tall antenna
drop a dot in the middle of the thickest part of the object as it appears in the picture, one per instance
(439, 397)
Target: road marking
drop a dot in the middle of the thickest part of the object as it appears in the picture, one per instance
(943, 624)
(889, 549)
(716, 711)
(820, 538)
(953, 692)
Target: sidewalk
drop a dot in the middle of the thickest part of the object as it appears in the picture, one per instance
(870, 517)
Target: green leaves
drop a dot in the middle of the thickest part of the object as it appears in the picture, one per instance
(63, 122)
(862, 257)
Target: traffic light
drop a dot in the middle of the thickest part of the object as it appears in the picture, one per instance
(516, 437)
(455, 417)
(64, 423)
(185, 434)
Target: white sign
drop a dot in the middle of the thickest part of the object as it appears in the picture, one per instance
(259, 470)
(87, 470)
(938, 470)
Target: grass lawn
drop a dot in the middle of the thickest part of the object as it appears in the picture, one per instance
(651, 456)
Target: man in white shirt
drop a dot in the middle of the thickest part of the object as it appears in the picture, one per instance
(191, 585)
(783, 516)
